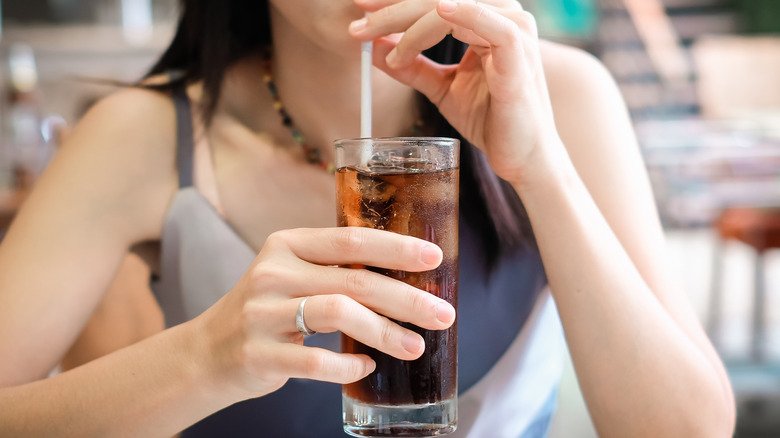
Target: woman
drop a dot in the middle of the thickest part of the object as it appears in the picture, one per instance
(547, 120)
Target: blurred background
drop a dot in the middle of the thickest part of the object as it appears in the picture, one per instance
(702, 82)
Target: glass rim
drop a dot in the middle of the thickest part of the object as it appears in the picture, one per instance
(438, 141)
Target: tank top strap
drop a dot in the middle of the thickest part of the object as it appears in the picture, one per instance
(185, 143)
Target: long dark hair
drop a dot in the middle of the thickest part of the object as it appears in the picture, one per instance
(214, 34)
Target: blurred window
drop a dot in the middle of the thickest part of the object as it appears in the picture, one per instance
(76, 11)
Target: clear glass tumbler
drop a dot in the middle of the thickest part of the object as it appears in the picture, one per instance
(406, 185)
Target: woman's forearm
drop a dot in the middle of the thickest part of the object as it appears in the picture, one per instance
(154, 388)
(641, 375)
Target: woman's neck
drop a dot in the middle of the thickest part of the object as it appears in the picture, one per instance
(321, 92)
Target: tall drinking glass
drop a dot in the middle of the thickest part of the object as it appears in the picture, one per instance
(406, 185)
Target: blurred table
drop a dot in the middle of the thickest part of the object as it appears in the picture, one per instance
(700, 167)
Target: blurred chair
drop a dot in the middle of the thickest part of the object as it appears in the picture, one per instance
(760, 229)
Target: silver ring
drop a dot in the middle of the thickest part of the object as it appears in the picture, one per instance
(300, 323)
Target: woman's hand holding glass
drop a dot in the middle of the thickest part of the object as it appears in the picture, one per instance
(251, 333)
(496, 97)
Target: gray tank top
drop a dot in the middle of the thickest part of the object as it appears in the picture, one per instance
(202, 257)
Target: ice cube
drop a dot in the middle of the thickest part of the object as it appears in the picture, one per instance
(349, 199)
(375, 188)
(393, 162)
(376, 201)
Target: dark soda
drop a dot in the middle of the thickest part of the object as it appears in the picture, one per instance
(422, 204)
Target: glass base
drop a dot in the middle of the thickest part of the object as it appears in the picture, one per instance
(435, 419)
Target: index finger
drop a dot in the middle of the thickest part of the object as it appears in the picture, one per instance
(422, 35)
(359, 245)
(392, 18)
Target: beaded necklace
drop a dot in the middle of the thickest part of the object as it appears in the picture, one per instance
(310, 153)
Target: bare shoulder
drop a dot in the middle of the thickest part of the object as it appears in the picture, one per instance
(557, 55)
(590, 112)
(572, 72)
(124, 144)
(135, 114)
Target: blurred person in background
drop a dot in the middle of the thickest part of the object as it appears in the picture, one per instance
(232, 208)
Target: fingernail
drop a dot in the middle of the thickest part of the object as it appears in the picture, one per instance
(357, 26)
(370, 366)
(445, 313)
(430, 254)
(392, 58)
(412, 343)
(447, 5)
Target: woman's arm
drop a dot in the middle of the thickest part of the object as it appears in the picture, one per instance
(154, 388)
(645, 366)
(107, 190)
(247, 344)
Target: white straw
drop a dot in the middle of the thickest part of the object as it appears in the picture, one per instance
(366, 50)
